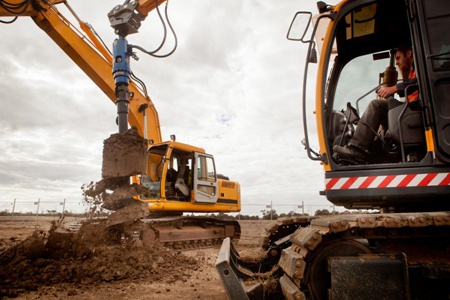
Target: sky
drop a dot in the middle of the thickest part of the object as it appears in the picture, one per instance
(232, 87)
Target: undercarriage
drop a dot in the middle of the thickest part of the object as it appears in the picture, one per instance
(180, 232)
(341, 257)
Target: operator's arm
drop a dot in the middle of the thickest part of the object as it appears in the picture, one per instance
(399, 88)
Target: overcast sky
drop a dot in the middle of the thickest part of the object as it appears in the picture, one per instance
(232, 87)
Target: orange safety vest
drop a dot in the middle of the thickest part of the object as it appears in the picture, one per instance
(415, 94)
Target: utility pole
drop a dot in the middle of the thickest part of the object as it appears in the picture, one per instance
(37, 209)
(271, 210)
(64, 206)
(12, 212)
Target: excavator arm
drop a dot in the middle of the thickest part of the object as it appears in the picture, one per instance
(88, 52)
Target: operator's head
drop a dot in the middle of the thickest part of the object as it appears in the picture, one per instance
(404, 59)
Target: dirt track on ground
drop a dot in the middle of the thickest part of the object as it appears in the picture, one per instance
(129, 272)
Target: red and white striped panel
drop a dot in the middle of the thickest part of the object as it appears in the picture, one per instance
(388, 181)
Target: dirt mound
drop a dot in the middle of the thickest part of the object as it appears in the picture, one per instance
(94, 254)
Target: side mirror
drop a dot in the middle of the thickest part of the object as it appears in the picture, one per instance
(299, 26)
(298, 29)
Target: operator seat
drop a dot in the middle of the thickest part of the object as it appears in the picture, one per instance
(406, 126)
(410, 122)
(180, 183)
(182, 186)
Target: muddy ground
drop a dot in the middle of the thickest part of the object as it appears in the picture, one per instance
(132, 271)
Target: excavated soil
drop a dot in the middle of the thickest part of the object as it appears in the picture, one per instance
(38, 263)
(90, 256)
(124, 155)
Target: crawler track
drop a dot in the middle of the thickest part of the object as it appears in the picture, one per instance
(422, 237)
(339, 257)
(186, 233)
(277, 233)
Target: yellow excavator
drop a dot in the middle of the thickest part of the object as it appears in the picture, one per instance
(178, 178)
(402, 249)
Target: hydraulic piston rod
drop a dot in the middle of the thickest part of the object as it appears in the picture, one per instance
(121, 73)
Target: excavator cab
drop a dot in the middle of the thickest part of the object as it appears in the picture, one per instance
(169, 172)
(409, 159)
(182, 177)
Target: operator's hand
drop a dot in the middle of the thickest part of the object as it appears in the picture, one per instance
(387, 91)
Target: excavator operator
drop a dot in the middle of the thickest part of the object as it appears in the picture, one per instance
(376, 113)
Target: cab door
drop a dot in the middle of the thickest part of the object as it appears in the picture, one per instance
(205, 179)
